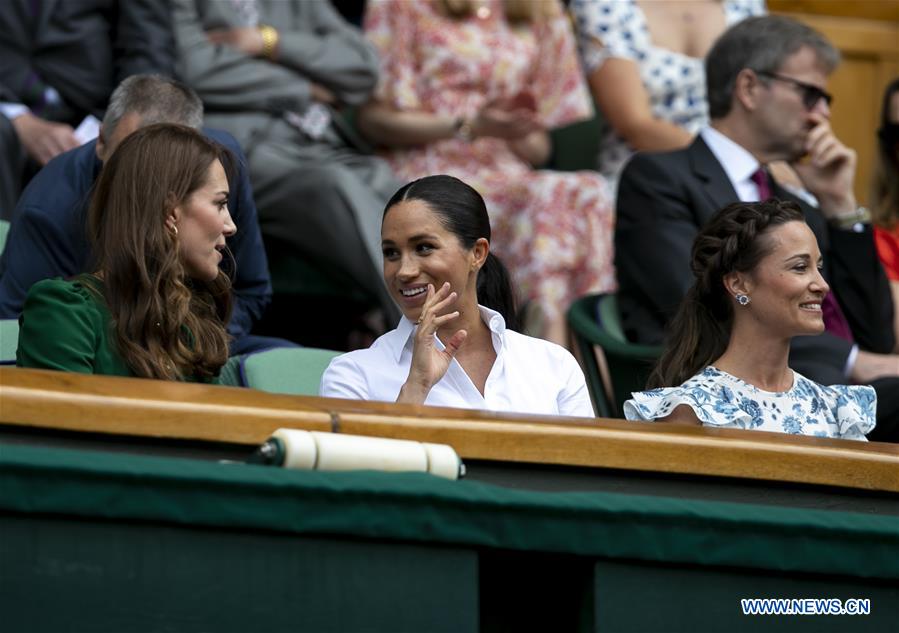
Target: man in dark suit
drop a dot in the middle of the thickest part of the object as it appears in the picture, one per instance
(48, 236)
(766, 81)
(59, 62)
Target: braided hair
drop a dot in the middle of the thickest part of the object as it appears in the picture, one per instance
(735, 240)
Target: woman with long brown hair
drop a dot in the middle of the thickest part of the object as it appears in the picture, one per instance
(757, 285)
(156, 302)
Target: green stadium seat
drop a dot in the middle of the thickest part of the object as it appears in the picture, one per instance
(594, 321)
(295, 371)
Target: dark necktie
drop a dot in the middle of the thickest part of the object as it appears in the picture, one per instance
(834, 320)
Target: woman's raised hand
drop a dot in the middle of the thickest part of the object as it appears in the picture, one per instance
(429, 364)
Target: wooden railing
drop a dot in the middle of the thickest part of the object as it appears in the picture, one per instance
(176, 411)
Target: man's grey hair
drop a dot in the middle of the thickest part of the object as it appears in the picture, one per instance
(761, 44)
(157, 99)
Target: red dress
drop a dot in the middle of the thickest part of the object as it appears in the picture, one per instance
(887, 241)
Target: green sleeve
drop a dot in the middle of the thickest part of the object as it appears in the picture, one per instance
(60, 328)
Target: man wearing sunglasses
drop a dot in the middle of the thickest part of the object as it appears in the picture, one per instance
(766, 80)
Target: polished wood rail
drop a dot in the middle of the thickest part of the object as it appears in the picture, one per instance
(178, 411)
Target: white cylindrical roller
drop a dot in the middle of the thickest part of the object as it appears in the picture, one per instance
(308, 450)
(300, 451)
(442, 460)
(357, 452)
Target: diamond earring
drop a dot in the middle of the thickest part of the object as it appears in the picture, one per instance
(743, 300)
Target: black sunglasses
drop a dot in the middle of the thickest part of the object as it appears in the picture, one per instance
(811, 95)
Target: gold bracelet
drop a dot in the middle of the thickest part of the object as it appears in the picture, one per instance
(269, 40)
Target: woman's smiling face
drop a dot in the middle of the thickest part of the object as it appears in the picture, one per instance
(419, 250)
(786, 287)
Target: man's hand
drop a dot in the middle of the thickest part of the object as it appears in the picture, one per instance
(44, 140)
(246, 39)
(829, 170)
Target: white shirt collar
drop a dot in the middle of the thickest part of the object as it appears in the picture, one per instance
(406, 328)
(738, 163)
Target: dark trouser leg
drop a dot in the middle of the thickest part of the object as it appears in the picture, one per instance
(324, 209)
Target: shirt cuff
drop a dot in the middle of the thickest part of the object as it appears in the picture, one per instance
(13, 110)
(850, 361)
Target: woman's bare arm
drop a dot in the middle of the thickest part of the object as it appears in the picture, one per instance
(620, 95)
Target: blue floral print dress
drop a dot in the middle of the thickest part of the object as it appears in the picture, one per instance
(722, 400)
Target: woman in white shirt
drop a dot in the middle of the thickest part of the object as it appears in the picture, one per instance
(453, 346)
(758, 284)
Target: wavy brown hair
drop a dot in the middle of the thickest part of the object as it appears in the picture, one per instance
(885, 184)
(166, 325)
(735, 240)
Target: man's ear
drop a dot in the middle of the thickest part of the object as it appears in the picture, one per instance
(479, 253)
(737, 284)
(100, 148)
(747, 89)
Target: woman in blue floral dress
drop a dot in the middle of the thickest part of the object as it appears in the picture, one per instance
(757, 285)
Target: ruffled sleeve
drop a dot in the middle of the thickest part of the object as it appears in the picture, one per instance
(606, 29)
(59, 328)
(714, 406)
(856, 409)
(557, 82)
(390, 25)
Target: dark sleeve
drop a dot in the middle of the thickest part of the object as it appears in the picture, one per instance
(39, 246)
(857, 278)
(16, 43)
(332, 53)
(58, 329)
(144, 41)
(251, 282)
(822, 358)
(653, 238)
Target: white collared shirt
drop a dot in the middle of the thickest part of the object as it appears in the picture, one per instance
(529, 375)
(738, 163)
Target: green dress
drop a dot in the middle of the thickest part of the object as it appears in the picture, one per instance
(65, 325)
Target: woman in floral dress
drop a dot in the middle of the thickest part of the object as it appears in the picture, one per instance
(469, 88)
(758, 284)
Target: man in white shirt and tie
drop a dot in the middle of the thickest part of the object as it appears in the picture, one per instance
(768, 102)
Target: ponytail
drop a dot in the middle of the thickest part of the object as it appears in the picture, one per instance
(495, 290)
(696, 337)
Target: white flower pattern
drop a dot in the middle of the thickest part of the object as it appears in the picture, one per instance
(722, 400)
